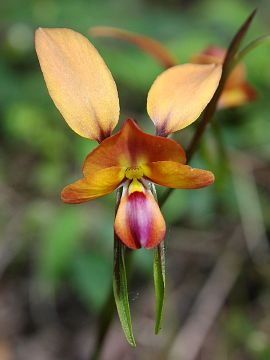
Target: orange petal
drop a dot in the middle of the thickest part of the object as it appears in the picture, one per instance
(132, 147)
(150, 46)
(78, 81)
(178, 176)
(100, 183)
(179, 95)
(139, 222)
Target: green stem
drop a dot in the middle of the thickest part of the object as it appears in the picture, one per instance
(251, 46)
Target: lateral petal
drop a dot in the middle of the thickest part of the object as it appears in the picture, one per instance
(132, 147)
(175, 175)
(139, 222)
(237, 90)
(79, 82)
(101, 183)
(148, 45)
(179, 95)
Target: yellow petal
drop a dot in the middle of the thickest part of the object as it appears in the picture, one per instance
(148, 45)
(101, 183)
(78, 81)
(179, 95)
(178, 176)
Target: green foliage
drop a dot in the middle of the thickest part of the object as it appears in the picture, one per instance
(242, 332)
(59, 244)
(121, 291)
(159, 280)
(91, 278)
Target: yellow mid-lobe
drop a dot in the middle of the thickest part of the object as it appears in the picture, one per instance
(133, 174)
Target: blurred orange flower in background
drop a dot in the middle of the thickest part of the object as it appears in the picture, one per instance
(237, 91)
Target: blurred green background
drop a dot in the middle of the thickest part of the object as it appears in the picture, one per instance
(56, 259)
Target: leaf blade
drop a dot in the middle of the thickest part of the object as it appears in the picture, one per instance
(159, 281)
(249, 47)
(120, 291)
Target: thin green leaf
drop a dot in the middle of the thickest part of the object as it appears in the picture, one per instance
(120, 290)
(251, 46)
(159, 275)
(159, 280)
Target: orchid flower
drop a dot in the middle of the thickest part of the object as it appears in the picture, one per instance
(237, 91)
(83, 90)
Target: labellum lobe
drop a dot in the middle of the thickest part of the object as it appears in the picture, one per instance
(139, 222)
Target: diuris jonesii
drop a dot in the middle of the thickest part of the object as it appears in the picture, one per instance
(85, 93)
(237, 91)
